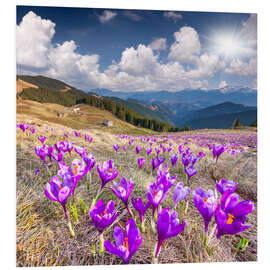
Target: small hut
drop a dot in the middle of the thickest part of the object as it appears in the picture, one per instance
(76, 110)
(107, 123)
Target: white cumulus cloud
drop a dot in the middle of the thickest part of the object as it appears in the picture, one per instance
(158, 44)
(186, 47)
(33, 40)
(239, 67)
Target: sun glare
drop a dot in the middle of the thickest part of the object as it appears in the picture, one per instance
(227, 45)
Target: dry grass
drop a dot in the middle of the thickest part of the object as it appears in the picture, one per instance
(42, 235)
(20, 85)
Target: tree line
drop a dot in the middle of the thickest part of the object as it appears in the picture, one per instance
(74, 96)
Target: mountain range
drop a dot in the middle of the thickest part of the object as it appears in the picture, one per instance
(217, 108)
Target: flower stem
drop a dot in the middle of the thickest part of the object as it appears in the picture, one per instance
(129, 211)
(101, 244)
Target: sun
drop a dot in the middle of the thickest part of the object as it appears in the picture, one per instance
(227, 45)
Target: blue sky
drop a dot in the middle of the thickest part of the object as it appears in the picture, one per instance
(137, 50)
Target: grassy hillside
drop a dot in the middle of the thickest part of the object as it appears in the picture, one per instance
(42, 81)
(69, 96)
(143, 110)
(91, 117)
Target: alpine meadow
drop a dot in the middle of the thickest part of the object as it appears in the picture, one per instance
(136, 136)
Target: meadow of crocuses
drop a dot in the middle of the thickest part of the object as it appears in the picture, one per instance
(130, 199)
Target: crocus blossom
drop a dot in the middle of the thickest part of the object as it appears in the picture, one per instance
(231, 215)
(149, 151)
(126, 244)
(164, 178)
(155, 195)
(103, 215)
(140, 162)
(190, 171)
(218, 149)
(224, 185)
(115, 147)
(138, 149)
(206, 203)
(55, 190)
(123, 190)
(89, 161)
(42, 139)
(107, 172)
(80, 150)
(42, 153)
(174, 159)
(140, 207)
(168, 225)
(157, 161)
(180, 193)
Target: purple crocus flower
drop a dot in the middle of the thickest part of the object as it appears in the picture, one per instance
(149, 151)
(37, 171)
(33, 130)
(190, 171)
(69, 147)
(140, 207)
(103, 216)
(168, 226)
(140, 162)
(124, 148)
(231, 215)
(155, 194)
(23, 127)
(115, 147)
(123, 191)
(224, 185)
(206, 203)
(126, 244)
(180, 193)
(42, 153)
(157, 150)
(138, 149)
(186, 159)
(59, 146)
(55, 190)
(164, 178)
(75, 172)
(80, 150)
(77, 134)
(57, 156)
(217, 151)
(42, 139)
(157, 161)
(169, 149)
(66, 134)
(174, 159)
(106, 173)
(90, 161)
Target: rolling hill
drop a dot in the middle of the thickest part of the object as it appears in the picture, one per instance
(54, 91)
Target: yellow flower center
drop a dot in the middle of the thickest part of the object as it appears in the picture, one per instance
(60, 187)
(205, 199)
(155, 193)
(230, 218)
(110, 170)
(75, 169)
(125, 243)
(104, 213)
